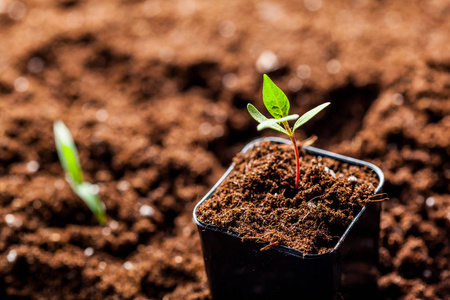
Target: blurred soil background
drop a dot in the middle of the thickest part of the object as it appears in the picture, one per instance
(154, 93)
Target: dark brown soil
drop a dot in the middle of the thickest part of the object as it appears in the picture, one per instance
(154, 93)
(259, 200)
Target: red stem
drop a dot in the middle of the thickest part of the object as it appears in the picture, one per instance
(297, 160)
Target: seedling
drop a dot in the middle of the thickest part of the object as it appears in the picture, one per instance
(68, 156)
(277, 104)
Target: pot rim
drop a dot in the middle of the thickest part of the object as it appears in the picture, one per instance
(312, 150)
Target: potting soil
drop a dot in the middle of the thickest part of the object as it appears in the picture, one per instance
(259, 200)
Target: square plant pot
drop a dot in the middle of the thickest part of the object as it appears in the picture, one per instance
(239, 270)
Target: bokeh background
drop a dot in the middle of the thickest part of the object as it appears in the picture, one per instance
(154, 93)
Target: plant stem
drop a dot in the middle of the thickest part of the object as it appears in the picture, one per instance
(297, 158)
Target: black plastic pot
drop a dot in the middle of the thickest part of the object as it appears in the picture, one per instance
(239, 270)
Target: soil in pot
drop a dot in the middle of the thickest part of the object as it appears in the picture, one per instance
(259, 200)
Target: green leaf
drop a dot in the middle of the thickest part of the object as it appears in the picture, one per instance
(274, 99)
(260, 118)
(86, 192)
(67, 152)
(308, 115)
(270, 122)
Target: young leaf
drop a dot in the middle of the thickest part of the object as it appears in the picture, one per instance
(308, 115)
(67, 152)
(274, 99)
(68, 156)
(86, 192)
(270, 122)
(260, 118)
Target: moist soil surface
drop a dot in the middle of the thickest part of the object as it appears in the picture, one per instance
(259, 201)
(154, 93)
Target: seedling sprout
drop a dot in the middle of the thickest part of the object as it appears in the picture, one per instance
(277, 104)
(68, 156)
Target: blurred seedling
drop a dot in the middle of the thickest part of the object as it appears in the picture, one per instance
(68, 156)
(277, 104)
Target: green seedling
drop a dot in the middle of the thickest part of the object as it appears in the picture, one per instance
(68, 156)
(277, 104)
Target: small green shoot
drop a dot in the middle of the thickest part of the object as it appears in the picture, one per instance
(68, 156)
(277, 104)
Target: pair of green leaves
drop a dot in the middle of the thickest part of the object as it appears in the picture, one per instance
(278, 106)
(68, 156)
